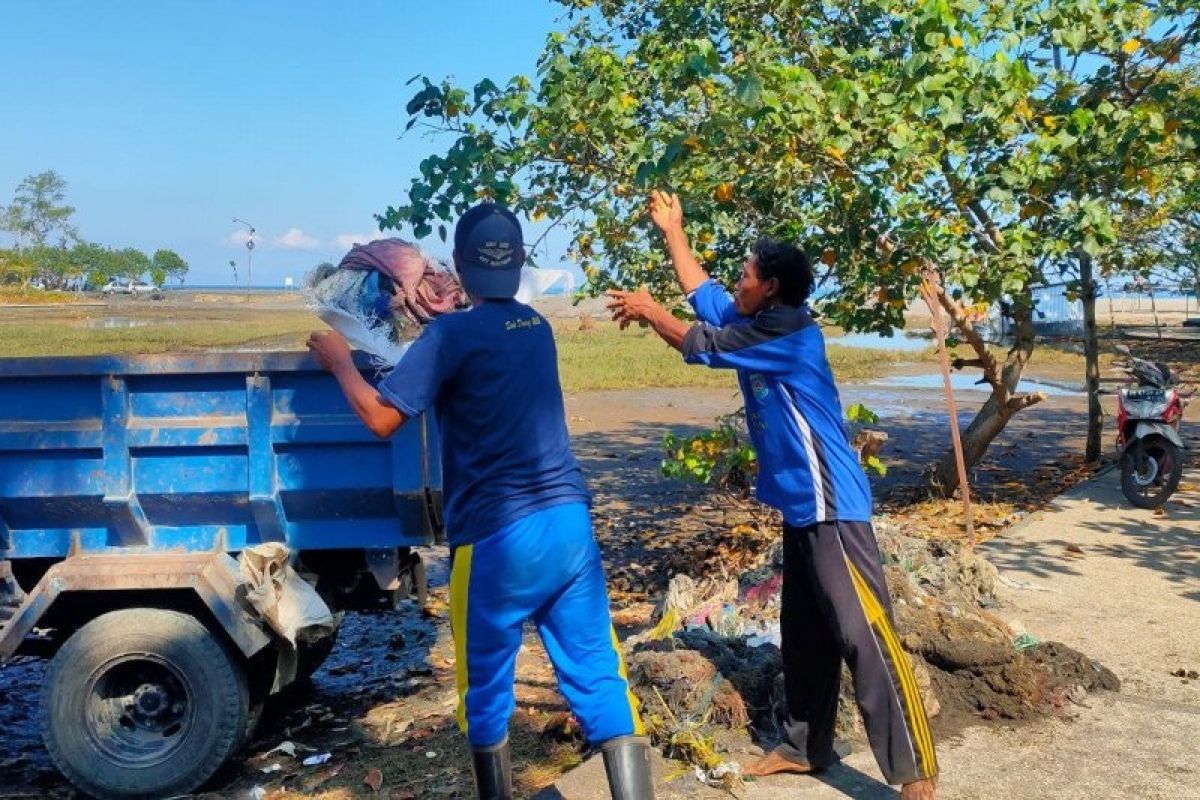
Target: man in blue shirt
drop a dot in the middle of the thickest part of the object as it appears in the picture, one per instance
(835, 600)
(516, 509)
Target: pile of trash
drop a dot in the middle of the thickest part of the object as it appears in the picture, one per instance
(382, 292)
(711, 662)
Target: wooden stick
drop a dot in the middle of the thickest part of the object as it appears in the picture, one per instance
(938, 323)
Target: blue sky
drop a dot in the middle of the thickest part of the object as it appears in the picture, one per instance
(169, 119)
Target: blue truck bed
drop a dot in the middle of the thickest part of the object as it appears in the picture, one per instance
(212, 451)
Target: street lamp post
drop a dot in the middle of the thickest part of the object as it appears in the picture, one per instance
(249, 251)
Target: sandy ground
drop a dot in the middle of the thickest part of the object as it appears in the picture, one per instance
(617, 436)
(915, 419)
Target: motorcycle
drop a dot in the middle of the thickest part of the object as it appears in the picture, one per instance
(1148, 416)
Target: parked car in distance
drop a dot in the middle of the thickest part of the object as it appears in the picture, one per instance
(137, 289)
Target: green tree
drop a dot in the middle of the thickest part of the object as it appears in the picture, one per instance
(165, 265)
(984, 139)
(38, 212)
(51, 265)
(93, 263)
(130, 264)
(16, 268)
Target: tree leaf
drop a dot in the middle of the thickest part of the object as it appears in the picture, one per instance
(749, 90)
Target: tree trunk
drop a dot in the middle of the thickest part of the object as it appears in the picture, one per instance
(1196, 283)
(1091, 356)
(1154, 309)
(985, 427)
(999, 408)
(1112, 317)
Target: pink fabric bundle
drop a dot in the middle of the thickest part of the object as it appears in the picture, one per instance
(423, 291)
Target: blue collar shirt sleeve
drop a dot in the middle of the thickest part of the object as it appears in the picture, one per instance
(772, 343)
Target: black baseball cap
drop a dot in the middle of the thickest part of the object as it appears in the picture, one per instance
(490, 250)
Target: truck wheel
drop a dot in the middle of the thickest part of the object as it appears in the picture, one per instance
(143, 703)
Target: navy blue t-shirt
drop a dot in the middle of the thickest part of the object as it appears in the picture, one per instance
(490, 375)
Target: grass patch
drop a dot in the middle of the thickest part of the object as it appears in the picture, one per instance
(13, 295)
(860, 364)
(1060, 358)
(599, 357)
(163, 331)
(604, 357)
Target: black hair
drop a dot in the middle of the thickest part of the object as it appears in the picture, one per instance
(787, 264)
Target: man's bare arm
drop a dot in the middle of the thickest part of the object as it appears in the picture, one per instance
(333, 353)
(639, 306)
(381, 417)
(667, 214)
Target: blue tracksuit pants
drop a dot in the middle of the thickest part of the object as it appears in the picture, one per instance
(544, 567)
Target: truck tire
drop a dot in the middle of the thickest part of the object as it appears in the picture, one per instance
(143, 703)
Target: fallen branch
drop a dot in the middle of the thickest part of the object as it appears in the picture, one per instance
(935, 295)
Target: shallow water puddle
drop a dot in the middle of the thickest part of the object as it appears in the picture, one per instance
(874, 341)
(969, 383)
(114, 323)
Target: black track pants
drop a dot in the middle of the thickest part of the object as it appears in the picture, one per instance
(835, 606)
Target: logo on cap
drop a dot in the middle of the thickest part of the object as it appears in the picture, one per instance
(495, 254)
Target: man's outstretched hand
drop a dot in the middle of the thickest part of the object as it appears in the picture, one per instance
(330, 348)
(627, 307)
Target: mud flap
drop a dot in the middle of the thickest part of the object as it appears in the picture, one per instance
(212, 576)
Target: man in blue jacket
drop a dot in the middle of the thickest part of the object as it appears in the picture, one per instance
(516, 508)
(835, 601)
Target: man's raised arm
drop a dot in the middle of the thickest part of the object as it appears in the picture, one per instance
(667, 214)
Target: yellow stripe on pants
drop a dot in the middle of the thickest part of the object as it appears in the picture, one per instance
(634, 706)
(918, 724)
(460, 581)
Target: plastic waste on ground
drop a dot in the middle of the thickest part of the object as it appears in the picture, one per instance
(537, 283)
(720, 606)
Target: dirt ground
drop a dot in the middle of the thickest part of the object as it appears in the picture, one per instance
(390, 681)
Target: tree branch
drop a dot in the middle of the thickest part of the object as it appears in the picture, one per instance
(974, 208)
(986, 361)
(1166, 59)
(1015, 404)
(963, 363)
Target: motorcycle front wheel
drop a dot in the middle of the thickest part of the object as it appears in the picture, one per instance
(1150, 471)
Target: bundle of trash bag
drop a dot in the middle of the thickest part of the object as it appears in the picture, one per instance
(382, 293)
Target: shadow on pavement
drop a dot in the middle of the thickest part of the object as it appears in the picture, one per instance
(853, 783)
(1168, 543)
